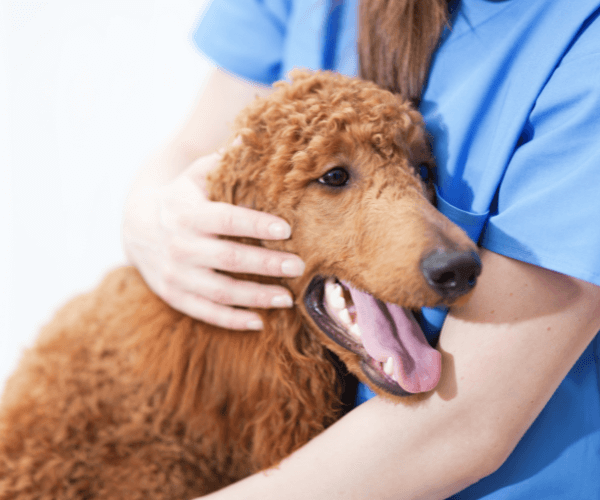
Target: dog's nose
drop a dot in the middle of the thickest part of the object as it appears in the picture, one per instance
(451, 274)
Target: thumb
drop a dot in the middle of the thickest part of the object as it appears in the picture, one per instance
(201, 167)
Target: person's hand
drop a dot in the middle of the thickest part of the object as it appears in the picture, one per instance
(169, 234)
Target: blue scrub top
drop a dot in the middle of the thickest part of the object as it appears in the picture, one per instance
(513, 105)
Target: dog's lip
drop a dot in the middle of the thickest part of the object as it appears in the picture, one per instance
(315, 305)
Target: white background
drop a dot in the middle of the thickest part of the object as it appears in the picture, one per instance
(88, 90)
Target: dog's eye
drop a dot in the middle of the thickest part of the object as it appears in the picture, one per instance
(336, 177)
(425, 172)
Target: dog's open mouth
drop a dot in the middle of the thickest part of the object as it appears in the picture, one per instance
(394, 353)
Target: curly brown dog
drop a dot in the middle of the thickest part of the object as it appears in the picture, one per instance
(124, 398)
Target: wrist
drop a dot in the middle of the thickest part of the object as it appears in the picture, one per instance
(140, 218)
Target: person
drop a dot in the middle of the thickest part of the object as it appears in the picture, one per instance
(512, 102)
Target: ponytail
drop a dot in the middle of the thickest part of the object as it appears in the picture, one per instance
(396, 39)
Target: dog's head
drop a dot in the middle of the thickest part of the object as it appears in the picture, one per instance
(343, 161)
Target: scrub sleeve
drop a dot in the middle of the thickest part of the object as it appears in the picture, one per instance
(513, 105)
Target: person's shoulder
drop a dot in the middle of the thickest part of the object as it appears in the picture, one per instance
(245, 37)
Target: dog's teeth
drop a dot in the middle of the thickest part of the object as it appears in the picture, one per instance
(339, 303)
(388, 367)
(337, 300)
(344, 315)
(355, 330)
(335, 295)
(336, 290)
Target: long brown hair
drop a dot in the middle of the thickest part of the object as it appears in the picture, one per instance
(396, 39)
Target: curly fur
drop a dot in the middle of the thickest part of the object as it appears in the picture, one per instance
(124, 398)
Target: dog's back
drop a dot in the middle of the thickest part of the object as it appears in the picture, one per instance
(77, 421)
(123, 397)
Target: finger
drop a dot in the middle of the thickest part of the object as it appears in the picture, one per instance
(200, 168)
(226, 290)
(231, 220)
(204, 165)
(216, 314)
(235, 257)
(236, 142)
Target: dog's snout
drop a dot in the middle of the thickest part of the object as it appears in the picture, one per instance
(451, 274)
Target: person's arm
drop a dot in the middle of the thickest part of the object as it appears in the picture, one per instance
(504, 354)
(169, 226)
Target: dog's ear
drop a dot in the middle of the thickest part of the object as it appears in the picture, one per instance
(238, 180)
(410, 135)
(228, 182)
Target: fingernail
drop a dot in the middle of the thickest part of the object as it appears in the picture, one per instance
(255, 324)
(282, 301)
(279, 230)
(292, 267)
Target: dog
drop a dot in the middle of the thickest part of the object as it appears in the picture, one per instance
(124, 397)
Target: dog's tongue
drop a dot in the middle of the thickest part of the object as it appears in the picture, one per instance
(388, 331)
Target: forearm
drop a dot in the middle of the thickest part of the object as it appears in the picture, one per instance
(158, 171)
(206, 129)
(503, 356)
(379, 450)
